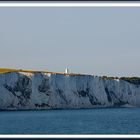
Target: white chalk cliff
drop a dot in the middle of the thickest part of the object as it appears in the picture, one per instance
(57, 91)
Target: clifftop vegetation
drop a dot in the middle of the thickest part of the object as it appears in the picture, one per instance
(109, 78)
(133, 80)
(6, 70)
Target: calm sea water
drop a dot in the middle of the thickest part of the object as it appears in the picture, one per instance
(84, 121)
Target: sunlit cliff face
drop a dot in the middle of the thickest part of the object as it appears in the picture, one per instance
(58, 91)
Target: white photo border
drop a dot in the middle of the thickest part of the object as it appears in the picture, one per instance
(69, 4)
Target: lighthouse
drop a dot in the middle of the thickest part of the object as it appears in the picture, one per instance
(66, 70)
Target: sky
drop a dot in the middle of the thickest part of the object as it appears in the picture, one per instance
(99, 41)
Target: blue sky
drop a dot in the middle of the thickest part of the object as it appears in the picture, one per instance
(100, 41)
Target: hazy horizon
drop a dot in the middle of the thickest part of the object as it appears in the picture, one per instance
(99, 41)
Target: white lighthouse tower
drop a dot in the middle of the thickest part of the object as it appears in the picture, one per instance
(66, 70)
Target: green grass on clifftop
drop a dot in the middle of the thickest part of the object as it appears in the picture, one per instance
(133, 80)
(6, 70)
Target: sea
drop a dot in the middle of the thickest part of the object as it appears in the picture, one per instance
(78, 121)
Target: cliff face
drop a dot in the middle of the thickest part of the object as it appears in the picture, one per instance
(54, 91)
